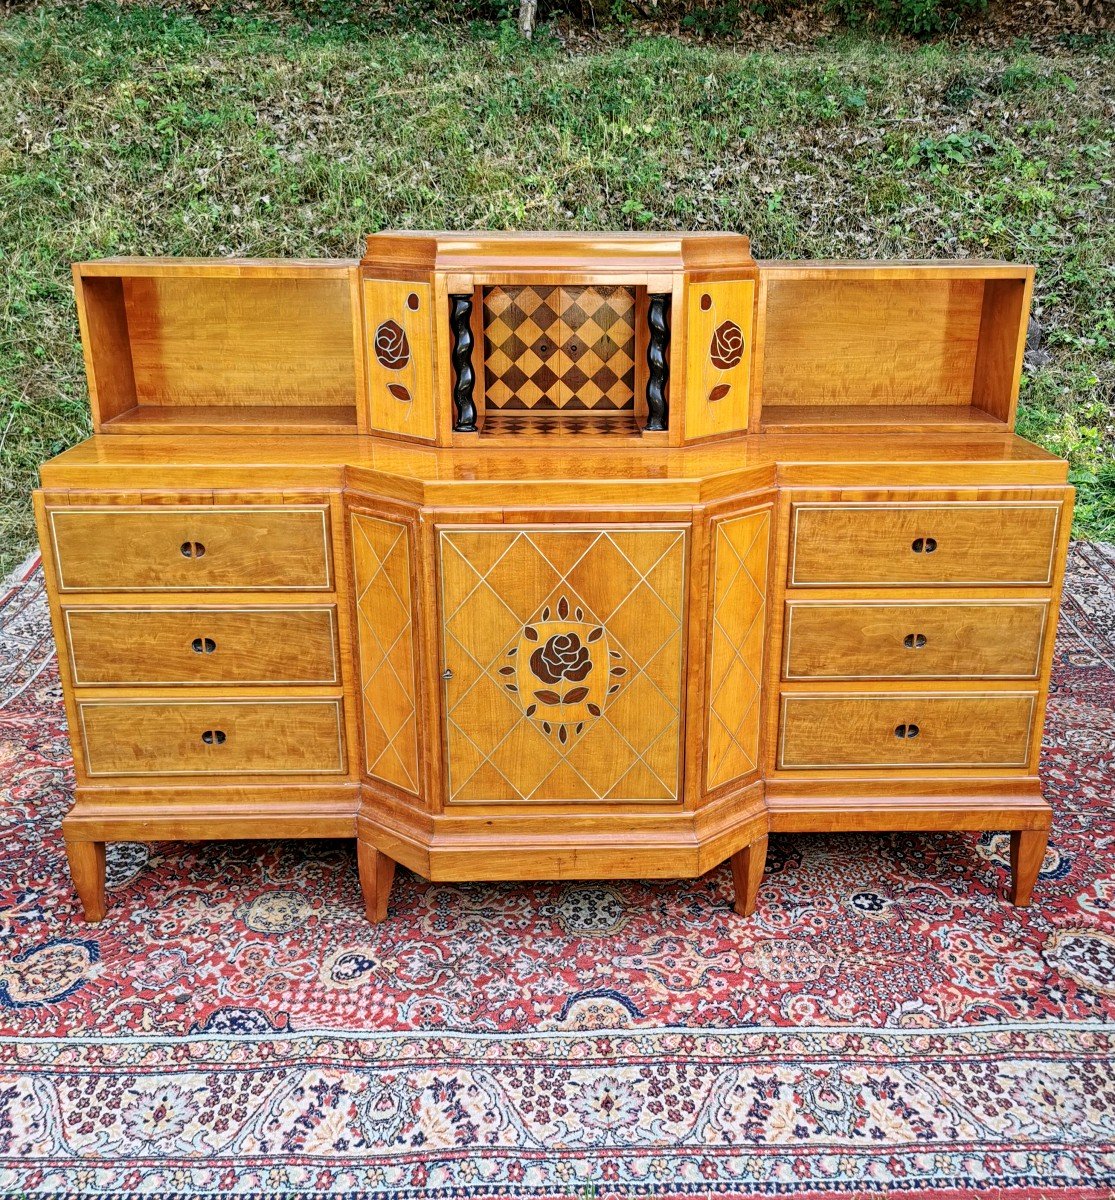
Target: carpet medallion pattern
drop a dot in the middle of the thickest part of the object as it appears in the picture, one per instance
(885, 1023)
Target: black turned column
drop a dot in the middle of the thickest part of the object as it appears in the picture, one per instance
(464, 377)
(659, 368)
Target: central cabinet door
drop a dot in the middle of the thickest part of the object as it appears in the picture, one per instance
(562, 653)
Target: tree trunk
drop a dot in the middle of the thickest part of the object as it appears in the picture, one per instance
(527, 11)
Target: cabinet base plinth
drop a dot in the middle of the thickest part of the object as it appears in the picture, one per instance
(192, 813)
(497, 844)
(1016, 805)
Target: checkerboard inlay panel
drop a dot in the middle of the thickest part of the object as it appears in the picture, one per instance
(558, 348)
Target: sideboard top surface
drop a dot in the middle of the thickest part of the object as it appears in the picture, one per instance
(682, 475)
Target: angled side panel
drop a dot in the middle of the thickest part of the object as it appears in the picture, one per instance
(385, 639)
(719, 358)
(741, 550)
(398, 326)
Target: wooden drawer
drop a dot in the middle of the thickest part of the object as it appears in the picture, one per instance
(904, 729)
(212, 737)
(993, 639)
(923, 545)
(202, 645)
(191, 549)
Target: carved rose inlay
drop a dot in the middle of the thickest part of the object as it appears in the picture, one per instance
(391, 346)
(563, 670)
(726, 347)
(562, 657)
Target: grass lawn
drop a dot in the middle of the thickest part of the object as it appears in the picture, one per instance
(137, 131)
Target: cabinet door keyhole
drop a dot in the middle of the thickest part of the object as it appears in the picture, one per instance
(214, 737)
(192, 549)
(203, 645)
(923, 545)
(914, 641)
(905, 732)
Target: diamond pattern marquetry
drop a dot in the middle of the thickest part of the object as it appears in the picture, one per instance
(736, 661)
(559, 348)
(381, 577)
(565, 652)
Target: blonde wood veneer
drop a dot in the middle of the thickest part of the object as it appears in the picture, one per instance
(212, 737)
(191, 549)
(869, 639)
(916, 545)
(426, 555)
(137, 646)
(901, 730)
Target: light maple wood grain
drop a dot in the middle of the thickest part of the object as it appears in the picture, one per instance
(869, 639)
(747, 875)
(918, 544)
(179, 548)
(1027, 853)
(211, 737)
(718, 360)
(248, 645)
(401, 395)
(87, 871)
(842, 732)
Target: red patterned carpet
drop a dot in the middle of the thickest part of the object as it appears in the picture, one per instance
(885, 1024)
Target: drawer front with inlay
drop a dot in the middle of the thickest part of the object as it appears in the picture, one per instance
(850, 545)
(190, 549)
(903, 729)
(865, 640)
(202, 645)
(212, 737)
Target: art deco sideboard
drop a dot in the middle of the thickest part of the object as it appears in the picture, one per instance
(553, 556)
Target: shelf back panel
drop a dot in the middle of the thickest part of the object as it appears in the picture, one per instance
(871, 342)
(241, 342)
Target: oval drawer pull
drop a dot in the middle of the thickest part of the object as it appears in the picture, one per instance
(914, 641)
(203, 645)
(192, 549)
(906, 731)
(925, 545)
(214, 737)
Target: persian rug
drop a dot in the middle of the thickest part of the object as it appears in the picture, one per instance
(885, 1024)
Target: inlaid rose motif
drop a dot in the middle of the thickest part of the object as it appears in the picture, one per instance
(391, 346)
(726, 348)
(562, 657)
(562, 669)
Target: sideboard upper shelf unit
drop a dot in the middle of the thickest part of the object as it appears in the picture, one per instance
(470, 339)
(199, 345)
(923, 344)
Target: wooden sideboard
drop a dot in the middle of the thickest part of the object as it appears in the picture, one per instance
(553, 556)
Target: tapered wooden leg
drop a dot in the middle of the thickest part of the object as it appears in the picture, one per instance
(87, 870)
(1027, 853)
(376, 873)
(747, 871)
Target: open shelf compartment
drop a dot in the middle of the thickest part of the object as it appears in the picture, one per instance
(907, 346)
(561, 360)
(218, 346)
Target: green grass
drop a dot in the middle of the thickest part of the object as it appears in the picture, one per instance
(139, 131)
